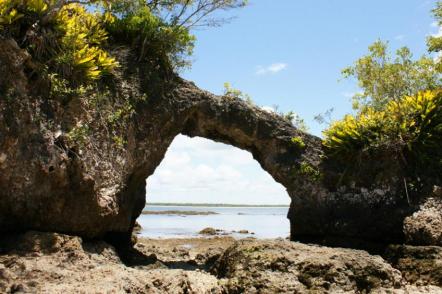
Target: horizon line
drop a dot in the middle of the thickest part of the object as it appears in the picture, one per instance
(213, 204)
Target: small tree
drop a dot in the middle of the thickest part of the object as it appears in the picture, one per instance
(435, 42)
(383, 78)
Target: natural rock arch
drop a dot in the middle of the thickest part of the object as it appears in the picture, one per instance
(267, 136)
(98, 189)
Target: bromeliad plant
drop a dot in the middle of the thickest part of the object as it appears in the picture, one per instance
(71, 38)
(68, 39)
(83, 37)
(411, 126)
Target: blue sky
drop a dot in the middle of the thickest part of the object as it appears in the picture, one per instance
(287, 53)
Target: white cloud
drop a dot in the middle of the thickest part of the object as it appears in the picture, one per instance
(200, 170)
(271, 69)
(399, 37)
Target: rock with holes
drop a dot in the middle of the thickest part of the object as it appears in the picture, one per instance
(55, 263)
(419, 265)
(77, 163)
(251, 266)
(424, 227)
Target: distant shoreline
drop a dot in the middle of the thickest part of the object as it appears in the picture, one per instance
(178, 212)
(215, 205)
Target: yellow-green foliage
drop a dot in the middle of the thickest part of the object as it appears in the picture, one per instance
(83, 35)
(73, 44)
(165, 44)
(13, 10)
(8, 13)
(298, 142)
(78, 134)
(307, 169)
(232, 93)
(411, 125)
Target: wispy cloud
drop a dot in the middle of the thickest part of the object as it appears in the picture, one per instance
(202, 171)
(271, 69)
(399, 37)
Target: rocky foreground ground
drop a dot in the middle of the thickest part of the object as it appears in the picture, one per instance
(37, 262)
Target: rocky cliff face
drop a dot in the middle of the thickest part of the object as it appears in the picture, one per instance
(78, 163)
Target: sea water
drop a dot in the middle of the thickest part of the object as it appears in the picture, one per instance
(264, 222)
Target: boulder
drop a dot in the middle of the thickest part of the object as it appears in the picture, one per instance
(208, 231)
(424, 227)
(39, 262)
(280, 266)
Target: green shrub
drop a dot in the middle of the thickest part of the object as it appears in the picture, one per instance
(232, 93)
(71, 43)
(154, 39)
(410, 127)
(307, 169)
(78, 134)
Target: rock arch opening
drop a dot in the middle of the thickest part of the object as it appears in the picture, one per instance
(201, 171)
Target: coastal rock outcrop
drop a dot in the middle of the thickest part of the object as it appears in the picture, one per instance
(286, 267)
(424, 226)
(77, 163)
(36, 262)
(54, 263)
(419, 265)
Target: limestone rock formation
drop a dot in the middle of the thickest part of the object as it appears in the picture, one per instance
(36, 262)
(62, 169)
(419, 265)
(424, 226)
(77, 163)
(287, 267)
(54, 263)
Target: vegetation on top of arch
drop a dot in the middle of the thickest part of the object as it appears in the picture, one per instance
(398, 112)
(72, 38)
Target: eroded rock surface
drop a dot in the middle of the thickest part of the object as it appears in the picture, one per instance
(424, 227)
(288, 267)
(54, 263)
(419, 265)
(78, 164)
(37, 262)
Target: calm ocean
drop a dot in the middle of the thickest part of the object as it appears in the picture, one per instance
(265, 222)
